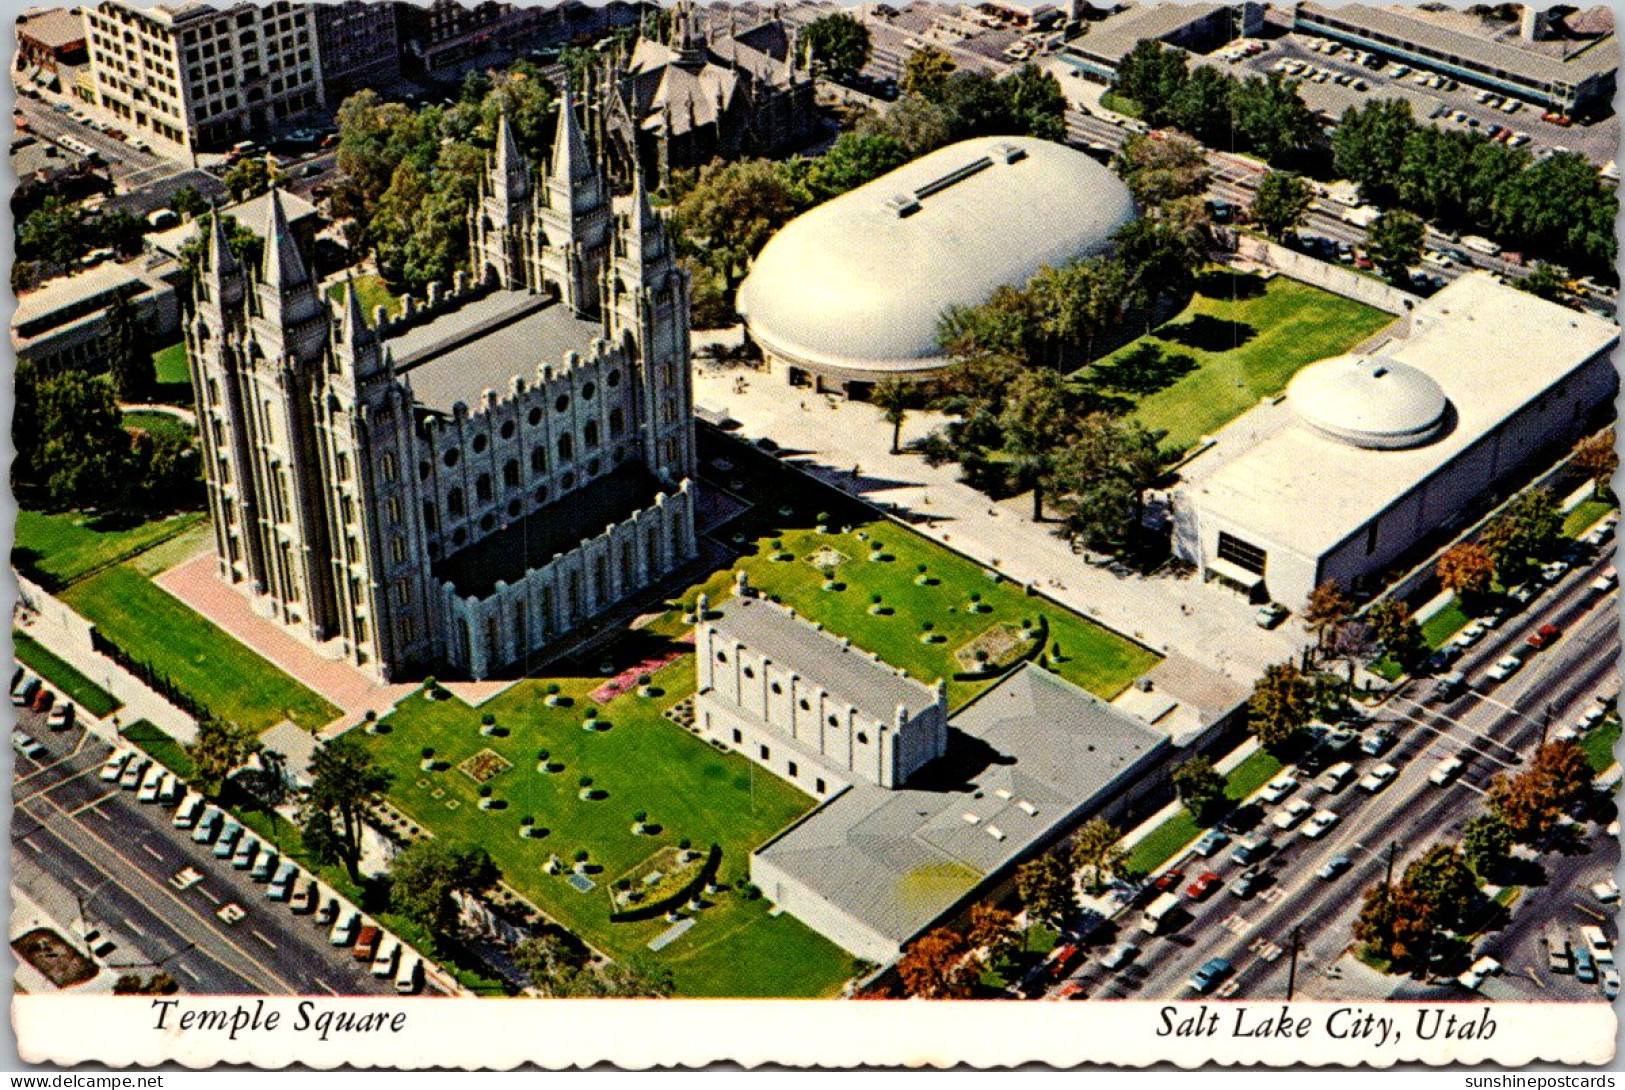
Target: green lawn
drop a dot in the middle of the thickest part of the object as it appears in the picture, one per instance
(1444, 624)
(161, 748)
(1239, 340)
(643, 763)
(372, 291)
(64, 676)
(61, 547)
(1089, 655)
(156, 424)
(1178, 831)
(1584, 517)
(170, 364)
(1599, 745)
(232, 681)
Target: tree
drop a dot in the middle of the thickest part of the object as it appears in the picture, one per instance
(835, 46)
(251, 177)
(936, 966)
(1526, 528)
(993, 932)
(1467, 569)
(1564, 772)
(219, 748)
(54, 232)
(547, 961)
(345, 784)
(925, 72)
(1203, 107)
(1369, 145)
(1035, 103)
(320, 838)
(157, 984)
(1486, 843)
(426, 873)
(1099, 479)
(1445, 883)
(1395, 923)
(1200, 787)
(1095, 852)
(1401, 637)
(188, 202)
(894, 398)
(85, 449)
(1152, 76)
(1546, 281)
(1394, 243)
(854, 159)
(1525, 803)
(1597, 457)
(1045, 886)
(129, 353)
(1161, 166)
(1039, 418)
(1270, 117)
(1327, 608)
(1282, 702)
(732, 211)
(1282, 203)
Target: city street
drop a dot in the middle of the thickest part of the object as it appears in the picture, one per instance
(81, 846)
(1493, 729)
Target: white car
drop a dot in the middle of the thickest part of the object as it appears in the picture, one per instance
(1278, 788)
(1378, 778)
(1610, 982)
(149, 786)
(1607, 581)
(1555, 571)
(1471, 634)
(1505, 667)
(1446, 770)
(114, 766)
(1317, 826)
(1606, 891)
(1482, 969)
(1293, 812)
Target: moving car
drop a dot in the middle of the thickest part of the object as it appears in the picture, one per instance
(1446, 770)
(1378, 742)
(1448, 686)
(1607, 581)
(1334, 867)
(1288, 816)
(1322, 821)
(1378, 778)
(1248, 882)
(1505, 667)
(1481, 970)
(1120, 955)
(1251, 850)
(1210, 975)
(1544, 636)
(1335, 778)
(1205, 884)
(1211, 842)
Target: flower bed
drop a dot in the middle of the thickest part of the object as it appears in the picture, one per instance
(628, 678)
(484, 766)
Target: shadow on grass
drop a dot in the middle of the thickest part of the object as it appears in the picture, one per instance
(1209, 334)
(1142, 370)
(1228, 284)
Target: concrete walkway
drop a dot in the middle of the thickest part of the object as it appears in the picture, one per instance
(831, 437)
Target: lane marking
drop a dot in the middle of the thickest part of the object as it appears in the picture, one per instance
(133, 929)
(187, 969)
(150, 850)
(326, 987)
(207, 894)
(31, 846)
(263, 939)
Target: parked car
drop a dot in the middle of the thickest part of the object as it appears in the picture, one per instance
(1271, 614)
(207, 826)
(1544, 636)
(345, 928)
(247, 849)
(1210, 975)
(133, 771)
(113, 768)
(1205, 884)
(1251, 850)
(1607, 581)
(1448, 686)
(383, 964)
(303, 900)
(1378, 742)
(1559, 955)
(1481, 970)
(1211, 842)
(1335, 778)
(264, 865)
(43, 699)
(1378, 778)
(1585, 966)
(187, 813)
(150, 785)
(61, 717)
(409, 977)
(227, 844)
(1279, 788)
(366, 944)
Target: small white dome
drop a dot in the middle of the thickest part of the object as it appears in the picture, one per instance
(1370, 402)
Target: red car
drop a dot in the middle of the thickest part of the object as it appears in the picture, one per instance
(1168, 880)
(1544, 636)
(1206, 884)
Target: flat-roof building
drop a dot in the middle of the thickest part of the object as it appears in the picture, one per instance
(1105, 43)
(1023, 765)
(62, 322)
(1561, 79)
(850, 293)
(1369, 456)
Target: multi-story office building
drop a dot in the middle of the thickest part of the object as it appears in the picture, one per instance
(195, 77)
(360, 46)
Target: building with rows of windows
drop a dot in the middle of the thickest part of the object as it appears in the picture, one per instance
(199, 77)
(464, 484)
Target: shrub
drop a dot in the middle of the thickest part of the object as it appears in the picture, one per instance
(581, 856)
(485, 790)
(981, 655)
(428, 753)
(487, 719)
(586, 781)
(927, 626)
(527, 820)
(975, 597)
(823, 517)
(552, 688)
(921, 568)
(685, 843)
(641, 816)
(543, 754)
(876, 599)
(372, 716)
(644, 679)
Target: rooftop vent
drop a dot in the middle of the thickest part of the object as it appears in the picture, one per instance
(1028, 808)
(1009, 153)
(902, 205)
(972, 819)
(995, 832)
(1003, 793)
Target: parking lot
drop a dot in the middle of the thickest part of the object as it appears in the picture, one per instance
(121, 877)
(1334, 79)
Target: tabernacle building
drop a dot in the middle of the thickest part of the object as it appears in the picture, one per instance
(850, 293)
(923, 813)
(1368, 456)
(466, 483)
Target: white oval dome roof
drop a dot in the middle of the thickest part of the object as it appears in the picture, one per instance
(859, 283)
(1370, 402)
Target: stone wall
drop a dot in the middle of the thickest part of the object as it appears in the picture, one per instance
(1322, 274)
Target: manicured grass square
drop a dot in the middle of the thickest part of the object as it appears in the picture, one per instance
(1246, 338)
(170, 363)
(64, 676)
(161, 748)
(371, 290)
(156, 424)
(1599, 745)
(643, 762)
(59, 547)
(1179, 830)
(1444, 624)
(198, 656)
(1584, 517)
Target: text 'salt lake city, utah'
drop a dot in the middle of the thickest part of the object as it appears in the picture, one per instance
(1089, 528)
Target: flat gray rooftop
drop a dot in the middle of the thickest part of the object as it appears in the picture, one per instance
(484, 343)
(1114, 37)
(1026, 756)
(850, 673)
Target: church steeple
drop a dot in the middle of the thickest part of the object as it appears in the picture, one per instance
(284, 269)
(286, 293)
(510, 176)
(224, 272)
(570, 164)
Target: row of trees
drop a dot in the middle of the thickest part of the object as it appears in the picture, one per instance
(727, 213)
(1559, 207)
(73, 450)
(1264, 116)
(1512, 545)
(54, 236)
